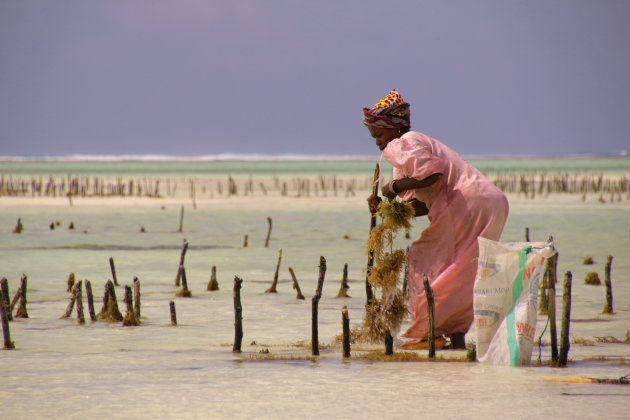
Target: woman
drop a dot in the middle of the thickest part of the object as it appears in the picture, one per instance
(461, 205)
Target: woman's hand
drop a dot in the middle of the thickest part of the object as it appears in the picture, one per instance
(373, 202)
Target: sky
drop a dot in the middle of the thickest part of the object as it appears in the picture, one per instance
(277, 77)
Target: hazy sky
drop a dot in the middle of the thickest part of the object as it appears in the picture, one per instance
(193, 77)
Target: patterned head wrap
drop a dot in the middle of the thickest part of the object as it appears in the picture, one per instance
(389, 112)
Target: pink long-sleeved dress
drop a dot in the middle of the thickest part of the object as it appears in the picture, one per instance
(463, 205)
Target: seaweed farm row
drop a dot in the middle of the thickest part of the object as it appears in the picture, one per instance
(607, 187)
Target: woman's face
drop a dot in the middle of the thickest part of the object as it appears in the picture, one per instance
(383, 135)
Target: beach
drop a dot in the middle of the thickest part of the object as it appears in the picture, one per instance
(60, 368)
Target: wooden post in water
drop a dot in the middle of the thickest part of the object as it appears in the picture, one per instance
(4, 317)
(79, 298)
(245, 242)
(70, 307)
(430, 314)
(345, 320)
(21, 310)
(389, 343)
(110, 311)
(526, 234)
(315, 303)
(608, 308)
(90, 300)
(4, 288)
(238, 315)
(70, 282)
(268, 233)
(130, 315)
(113, 269)
(296, 285)
(343, 289)
(181, 220)
(136, 298)
(566, 320)
(272, 288)
(213, 284)
(184, 292)
(173, 313)
(181, 262)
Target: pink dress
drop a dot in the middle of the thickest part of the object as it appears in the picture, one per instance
(463, 205)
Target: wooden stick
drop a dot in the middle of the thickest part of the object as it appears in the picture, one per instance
(130, 315)
(405, 285)
(184, 292)
(4, 288)
(368, 288)
(389, 343)
(4, 316)
(110, 311)
(73, 299)
(245, 242)
(181, 262)
(343, 289)
(430, 312)
(268, 233)
(173, 313)
(345, 320)
(79, 298)
(213, 284)
(566, 320)
(21, 310)
(238, 315)
(272, 288)
(113, 269)
(70, 282)
(315, 303)
(526, 234)
(552, 263)
(90, 299)
(136, 298)
(181, 220)
(296, 285)
(608, 308)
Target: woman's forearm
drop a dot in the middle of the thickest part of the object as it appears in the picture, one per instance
(405, 184)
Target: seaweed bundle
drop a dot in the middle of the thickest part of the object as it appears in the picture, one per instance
(386, 314)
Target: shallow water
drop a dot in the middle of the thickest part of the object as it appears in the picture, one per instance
(98, 370)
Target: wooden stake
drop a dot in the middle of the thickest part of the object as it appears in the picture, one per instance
(296, 285)
(368, 288)
(130, 316)
(238, 315)
(70, 282)
(405, 285)
(566, 320)
(552, 265)
(136, 298)
(608, 308)
(4, 288)
(173, 314)
(181, 262)
(110, 311)
(430, 312)
(18, 227)
(245, 242)
(73, 299)
(181, 220)
(79, 298)
(268, 233)
(526, 234)
(21, 310)
(90, 299)
(184, 292)
(345, 320)
(389, 343)
(213, 284)
(315, 303)
(272, 288)
(343, 289)
(113, 269)
(4, 316)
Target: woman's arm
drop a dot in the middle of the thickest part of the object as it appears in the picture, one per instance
(420, 208)
(405, 184)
